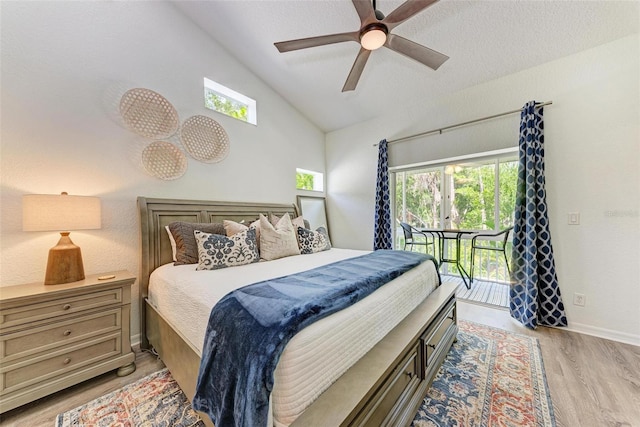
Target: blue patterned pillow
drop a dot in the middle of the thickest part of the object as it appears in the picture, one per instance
(311, 242)
(216, 251)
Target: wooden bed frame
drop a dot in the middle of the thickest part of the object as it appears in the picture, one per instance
(385, 387)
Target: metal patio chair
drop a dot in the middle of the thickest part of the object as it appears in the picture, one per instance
(485, 245)
(414, 237)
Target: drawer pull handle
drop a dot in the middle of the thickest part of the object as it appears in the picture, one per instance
(409, 374)
(67, 333)
(432, 346)
(67, 361)
(66, 306)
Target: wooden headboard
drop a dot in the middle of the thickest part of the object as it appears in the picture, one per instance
(155, 214)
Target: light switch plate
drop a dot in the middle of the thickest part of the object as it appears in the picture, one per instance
(574, 218)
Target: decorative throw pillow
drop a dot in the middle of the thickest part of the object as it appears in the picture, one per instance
(186, 246)
(232, 227)
(313, 241)
(173, 243)
(279, 241)
(297, 222)
(216, 251)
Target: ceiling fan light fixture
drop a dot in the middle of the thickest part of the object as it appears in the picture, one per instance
(373, 37)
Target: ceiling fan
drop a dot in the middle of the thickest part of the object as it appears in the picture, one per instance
(375, 32)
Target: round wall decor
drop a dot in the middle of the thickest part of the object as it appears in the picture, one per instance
(204, 139)
(164, 160)
(148, 113)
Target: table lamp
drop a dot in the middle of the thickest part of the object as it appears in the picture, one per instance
(63, 213)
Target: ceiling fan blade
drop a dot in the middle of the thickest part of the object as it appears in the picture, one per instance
(405, 11)
(290, 45)
(356, 70)
(365, 11)
(415, 51)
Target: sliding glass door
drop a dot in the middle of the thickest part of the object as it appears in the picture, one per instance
(471, 194)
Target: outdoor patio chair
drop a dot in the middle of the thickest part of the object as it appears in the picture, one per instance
(414, 237)
(500, 245)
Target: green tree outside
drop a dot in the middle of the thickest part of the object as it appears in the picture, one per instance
(221, 104)
(304, 181)
(472, 198)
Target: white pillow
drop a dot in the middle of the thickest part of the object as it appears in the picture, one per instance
(297, 222)
(173, 242)
(279, 241)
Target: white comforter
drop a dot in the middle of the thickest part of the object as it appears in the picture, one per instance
(320, 353)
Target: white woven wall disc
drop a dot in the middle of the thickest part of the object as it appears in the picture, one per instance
(148, 113)
(204, 139)
(164, 160)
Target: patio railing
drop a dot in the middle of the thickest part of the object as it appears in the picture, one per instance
(489, 265)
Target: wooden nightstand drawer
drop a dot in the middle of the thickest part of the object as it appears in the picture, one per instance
(45, 366)
(63, 333)
(57, 307)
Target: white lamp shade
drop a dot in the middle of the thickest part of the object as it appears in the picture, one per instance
(48, 212)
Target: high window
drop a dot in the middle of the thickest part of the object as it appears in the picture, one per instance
(309, 180)
(227, 101)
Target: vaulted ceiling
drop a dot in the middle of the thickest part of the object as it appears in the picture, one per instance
(484, 39)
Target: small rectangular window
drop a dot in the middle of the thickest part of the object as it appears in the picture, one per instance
(309, 180)
(227, 101)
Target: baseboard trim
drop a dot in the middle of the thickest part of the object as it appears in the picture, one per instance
(608, 334)
(135, 340)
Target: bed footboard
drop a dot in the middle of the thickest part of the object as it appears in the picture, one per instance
(387, 386)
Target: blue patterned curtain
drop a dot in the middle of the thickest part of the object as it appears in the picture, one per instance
(535, 295)
(382, 226)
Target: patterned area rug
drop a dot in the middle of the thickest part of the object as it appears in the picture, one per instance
(491, 377)
(154, 401)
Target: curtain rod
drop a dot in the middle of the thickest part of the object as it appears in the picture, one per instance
(440, 130)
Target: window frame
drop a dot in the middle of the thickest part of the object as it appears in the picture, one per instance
(496, 156)
(318, 180)
(225, 92)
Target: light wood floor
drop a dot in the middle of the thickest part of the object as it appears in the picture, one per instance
(593, 382)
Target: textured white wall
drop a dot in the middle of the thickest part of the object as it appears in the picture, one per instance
(592, 134)
(64, 67)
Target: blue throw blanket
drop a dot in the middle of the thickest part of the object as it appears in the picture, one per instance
(249, 328)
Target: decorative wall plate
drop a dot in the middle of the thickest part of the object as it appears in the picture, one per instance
(164, 160)
(148, 113)
(204, 139)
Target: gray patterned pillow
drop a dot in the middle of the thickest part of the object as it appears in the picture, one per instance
(311, 242)
(186, 247)
(216, 251)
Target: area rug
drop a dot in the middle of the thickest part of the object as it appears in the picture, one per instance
(490, 377)
(153, 401)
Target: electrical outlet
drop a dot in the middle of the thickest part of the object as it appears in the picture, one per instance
(579, 299)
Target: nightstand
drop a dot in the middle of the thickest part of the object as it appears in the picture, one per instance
(55, 336)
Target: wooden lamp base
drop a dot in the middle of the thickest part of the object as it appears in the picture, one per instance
(65, 262)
